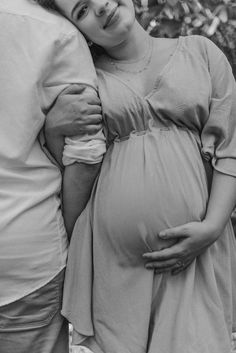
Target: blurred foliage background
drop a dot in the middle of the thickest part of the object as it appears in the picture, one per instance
(215, 19)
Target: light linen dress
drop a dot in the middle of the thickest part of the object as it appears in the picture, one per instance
(153, 177)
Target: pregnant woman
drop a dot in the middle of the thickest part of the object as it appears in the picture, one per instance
(169, 108)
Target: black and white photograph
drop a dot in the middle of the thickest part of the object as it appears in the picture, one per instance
(117, 176)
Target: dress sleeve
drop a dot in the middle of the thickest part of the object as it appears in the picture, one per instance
(219, 131)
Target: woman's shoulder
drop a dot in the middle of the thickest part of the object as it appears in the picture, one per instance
(163, 43)
(201, 45)
(194, 44)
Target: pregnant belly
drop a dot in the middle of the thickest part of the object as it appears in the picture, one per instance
(143, 189)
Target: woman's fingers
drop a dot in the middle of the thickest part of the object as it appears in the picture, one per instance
(175, 232)
(174, 259)
(177, 269)
(163, 255)
(160, 265)
(175, 266)
(192, 239)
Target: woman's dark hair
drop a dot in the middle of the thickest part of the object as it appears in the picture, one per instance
(96, 50)
(48, 4)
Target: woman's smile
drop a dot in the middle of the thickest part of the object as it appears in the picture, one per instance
(106, 23)
(112, 17)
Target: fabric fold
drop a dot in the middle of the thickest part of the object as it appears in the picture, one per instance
(88, 149)
(79, 312)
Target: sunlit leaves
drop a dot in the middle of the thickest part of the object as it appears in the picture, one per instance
(215, 19)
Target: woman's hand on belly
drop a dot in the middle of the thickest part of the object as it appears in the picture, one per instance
(192, 240)
(195, 237)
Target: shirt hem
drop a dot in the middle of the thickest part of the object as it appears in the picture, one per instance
(32, 289)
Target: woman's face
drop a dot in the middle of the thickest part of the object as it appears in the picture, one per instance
(104, 22)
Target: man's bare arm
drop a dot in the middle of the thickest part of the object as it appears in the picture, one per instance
(78, 182)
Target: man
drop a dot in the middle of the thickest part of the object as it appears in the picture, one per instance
(42, 56)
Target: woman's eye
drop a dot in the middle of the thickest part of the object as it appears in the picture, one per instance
(82, 11)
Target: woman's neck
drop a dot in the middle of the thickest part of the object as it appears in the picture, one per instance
(132, 47)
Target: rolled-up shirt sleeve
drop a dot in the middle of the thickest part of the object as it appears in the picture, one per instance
(219, 132)
(87, 149)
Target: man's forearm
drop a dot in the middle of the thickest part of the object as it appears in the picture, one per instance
(78, 181)
(55, 145)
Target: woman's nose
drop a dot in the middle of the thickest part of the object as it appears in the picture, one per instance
(101, 7)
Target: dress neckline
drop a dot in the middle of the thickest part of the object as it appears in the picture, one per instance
(159, 77)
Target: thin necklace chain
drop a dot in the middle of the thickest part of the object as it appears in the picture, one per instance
(147, 56)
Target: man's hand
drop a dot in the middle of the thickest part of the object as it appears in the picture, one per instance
(77, 111)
